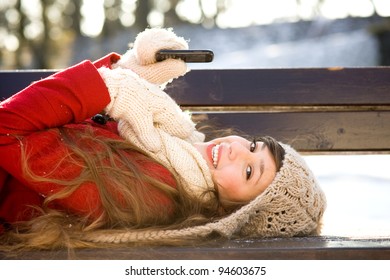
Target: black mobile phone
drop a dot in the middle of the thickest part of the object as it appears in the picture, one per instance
(186, 55)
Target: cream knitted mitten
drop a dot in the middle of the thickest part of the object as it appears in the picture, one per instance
(141, 58)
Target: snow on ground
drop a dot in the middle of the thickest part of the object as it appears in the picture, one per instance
(358, 193)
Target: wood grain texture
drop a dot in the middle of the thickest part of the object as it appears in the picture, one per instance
(296, 248)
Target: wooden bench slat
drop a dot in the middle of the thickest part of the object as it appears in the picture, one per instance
(13, 81)
(298, 248)
(316, 132)
(348, 86)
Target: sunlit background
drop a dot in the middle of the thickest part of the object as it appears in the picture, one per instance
(55, 33)
(233, 13)
(243, 34)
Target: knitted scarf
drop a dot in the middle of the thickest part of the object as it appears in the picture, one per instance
(153, 122)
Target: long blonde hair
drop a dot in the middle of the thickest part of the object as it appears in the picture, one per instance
(124, 188)
(123, 184)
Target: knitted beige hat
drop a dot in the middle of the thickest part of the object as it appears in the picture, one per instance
(292, 205)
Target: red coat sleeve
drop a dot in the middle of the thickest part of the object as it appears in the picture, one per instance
(69, 96)
(107, 61)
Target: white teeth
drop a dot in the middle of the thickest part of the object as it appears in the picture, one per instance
(214, 155)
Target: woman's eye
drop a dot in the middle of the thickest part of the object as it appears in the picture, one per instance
(253, 146)
(248, 172)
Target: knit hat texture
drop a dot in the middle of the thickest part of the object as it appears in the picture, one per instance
(292, 205)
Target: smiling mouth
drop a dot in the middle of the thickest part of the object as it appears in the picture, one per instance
(214, 155)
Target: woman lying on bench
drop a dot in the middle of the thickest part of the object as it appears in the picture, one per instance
(143, 174)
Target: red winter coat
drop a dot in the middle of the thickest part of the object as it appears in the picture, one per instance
(70, 97)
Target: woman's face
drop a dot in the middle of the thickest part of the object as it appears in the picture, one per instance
(241, 169)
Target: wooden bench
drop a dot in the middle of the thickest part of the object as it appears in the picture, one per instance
(320, 111)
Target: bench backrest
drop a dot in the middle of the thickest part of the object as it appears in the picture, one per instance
(322, 110)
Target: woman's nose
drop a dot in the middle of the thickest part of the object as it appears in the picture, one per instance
(237, 151)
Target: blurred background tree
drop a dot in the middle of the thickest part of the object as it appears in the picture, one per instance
(43, 33)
